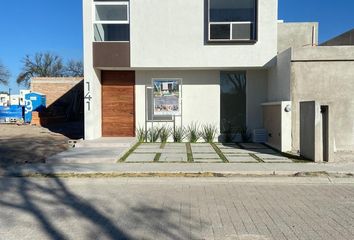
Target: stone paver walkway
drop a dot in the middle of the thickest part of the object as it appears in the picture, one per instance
(225, 209)
(205, 153)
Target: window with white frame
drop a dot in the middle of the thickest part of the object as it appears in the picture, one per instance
(111, 21)
(232, 20)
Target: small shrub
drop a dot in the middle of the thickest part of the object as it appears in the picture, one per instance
(245, 134)
(153, 134)
(208, 133)
(227, 132)
(193, 133)
(165, 133)
(179, 134)
(141, 134)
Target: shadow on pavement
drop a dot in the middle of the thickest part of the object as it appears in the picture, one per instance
(52, 205)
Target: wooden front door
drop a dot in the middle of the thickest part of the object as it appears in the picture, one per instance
(118, 103)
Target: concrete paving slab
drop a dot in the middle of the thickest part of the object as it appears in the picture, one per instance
(87, 155)
(236, 151)
(148, 150)
(107, 142)
(265, 156)
(253, 146)
(166, 157)
(175, 145)
(279, 160)
(134, 157)
(175, 150)
(208, 160)
(241, 159)
(227, 146)
(208, 149)
(200, 145)
(205, 156)
(150, 145)
(263, 151)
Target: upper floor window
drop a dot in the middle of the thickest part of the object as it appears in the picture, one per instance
(232, 20)
(111, 20)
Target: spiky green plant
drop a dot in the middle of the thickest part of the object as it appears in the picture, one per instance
(154, 134)
(141, 134)
(193, 134)
(179, 134)
(245, 134)
(165, 133)
(208, 132)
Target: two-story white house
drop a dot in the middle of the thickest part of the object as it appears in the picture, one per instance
(229, 63)
(218, 51)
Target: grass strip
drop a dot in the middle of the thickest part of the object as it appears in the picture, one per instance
(189, 153)
(219, 152)
(256, 157)
(157, 157)
(130, 151)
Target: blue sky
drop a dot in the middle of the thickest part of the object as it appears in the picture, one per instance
(40, 25)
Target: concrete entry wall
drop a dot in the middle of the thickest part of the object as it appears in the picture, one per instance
(326, 82)
(308, 123)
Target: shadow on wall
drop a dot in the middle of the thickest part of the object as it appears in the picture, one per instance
(53, 207)
(66, 114)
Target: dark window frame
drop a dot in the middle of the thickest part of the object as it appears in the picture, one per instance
(253, 39)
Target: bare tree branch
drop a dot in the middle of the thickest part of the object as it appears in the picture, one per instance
(4, 75)
(74, 69)
(41, 65)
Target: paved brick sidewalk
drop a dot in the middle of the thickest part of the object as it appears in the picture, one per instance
(174, 209)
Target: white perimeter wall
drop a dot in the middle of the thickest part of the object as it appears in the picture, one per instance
(171, 33)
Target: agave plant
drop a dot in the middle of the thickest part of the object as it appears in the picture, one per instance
(153, 134)
(179, 134)
(208, 133)
(193, 133)
(245, 134)
(141, 134)
(165, 133)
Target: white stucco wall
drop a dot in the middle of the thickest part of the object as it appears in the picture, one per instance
(92, 79)
(279, 83)
(200, 95)
(171, 34)
(256, 95)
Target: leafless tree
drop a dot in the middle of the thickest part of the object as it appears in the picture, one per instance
(41, 65)
(4, 75)
(74, 69)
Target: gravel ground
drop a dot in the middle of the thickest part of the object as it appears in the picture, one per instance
(29, 144)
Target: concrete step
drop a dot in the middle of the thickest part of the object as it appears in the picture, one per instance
(88, 155)
(106, 143)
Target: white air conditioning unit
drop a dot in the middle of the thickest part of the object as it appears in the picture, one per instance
(260, 136)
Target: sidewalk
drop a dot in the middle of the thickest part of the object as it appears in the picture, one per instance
(181, 169)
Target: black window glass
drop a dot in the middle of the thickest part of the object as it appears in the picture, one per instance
(232, 10)
(220, 31)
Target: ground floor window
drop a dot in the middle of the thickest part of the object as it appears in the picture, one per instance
(233, 101)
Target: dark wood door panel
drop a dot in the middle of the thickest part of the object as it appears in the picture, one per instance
(118, 103)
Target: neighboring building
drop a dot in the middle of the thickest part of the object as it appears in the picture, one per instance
(223, 62)
(64, 99)
(4, 99)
